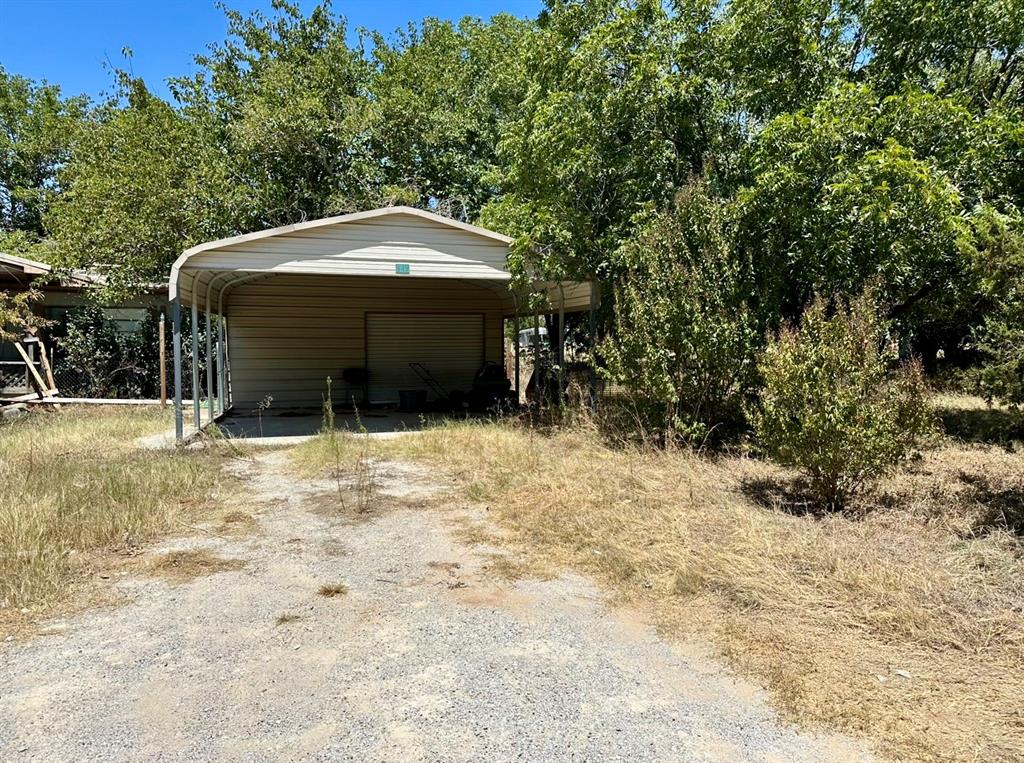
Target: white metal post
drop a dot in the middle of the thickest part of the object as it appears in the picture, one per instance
(593, 341)
(561, 344)
(224, 354)
(515, 324)
(221, 386)
(179, 426)
(537, 388)
(196, 422)
(163, 361)
(209, 361)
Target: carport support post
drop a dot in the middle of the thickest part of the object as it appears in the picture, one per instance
(515, 328)
(536, 357)
(221, 386)
(163, 362)
(593, 341)
(223, 355)
(179, 427)
(195, 363)
(209, 360)
(561, 345)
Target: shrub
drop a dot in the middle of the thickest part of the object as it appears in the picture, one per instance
(683, 341)
(1000, 337)
(97, 359)
(836, 403)
(1001, 343)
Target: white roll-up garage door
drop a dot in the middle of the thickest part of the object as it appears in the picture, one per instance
(449, 345)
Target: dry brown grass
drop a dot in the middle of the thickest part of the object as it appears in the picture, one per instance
(970, 419)
(238, 523)
(330, 590)
(510, 568)
(73, 488)
(187, 565)
(924, 578)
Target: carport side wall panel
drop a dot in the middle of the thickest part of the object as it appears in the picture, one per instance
(289, 333)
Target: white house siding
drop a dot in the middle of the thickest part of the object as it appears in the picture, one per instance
(288, 333)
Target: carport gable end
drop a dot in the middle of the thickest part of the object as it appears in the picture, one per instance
(376, 242)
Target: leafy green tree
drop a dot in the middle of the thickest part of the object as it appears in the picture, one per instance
(16, 314)
(1000, 339)
(834, 198)
(836, 403)
(999, 262)
(890, 214)
(620, 110)
(682, 336)
(783, 55)
(36, 125)
(977, 152)
(284, 101)
(142, 185)
(441, 96)
(947, 46)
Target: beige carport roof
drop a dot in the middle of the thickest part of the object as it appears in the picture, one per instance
(359, 244)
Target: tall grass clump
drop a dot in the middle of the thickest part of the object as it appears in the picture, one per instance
(74, 482)
(347, 455)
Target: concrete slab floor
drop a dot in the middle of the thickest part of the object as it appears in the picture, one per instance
(248, 425)
(290, 427)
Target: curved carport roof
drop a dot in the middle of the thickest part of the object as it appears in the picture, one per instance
(369, 243)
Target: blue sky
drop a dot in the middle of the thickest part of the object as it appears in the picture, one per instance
(66, 42)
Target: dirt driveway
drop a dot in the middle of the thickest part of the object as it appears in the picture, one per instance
(421, 654)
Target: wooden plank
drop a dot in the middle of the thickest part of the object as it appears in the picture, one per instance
(19, 398)
(40, 384)
(46, 367)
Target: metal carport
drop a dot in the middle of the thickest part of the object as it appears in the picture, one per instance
(285, 307)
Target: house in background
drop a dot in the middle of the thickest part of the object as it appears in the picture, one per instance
(62, 293)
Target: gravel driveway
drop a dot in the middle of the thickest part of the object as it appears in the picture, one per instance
(428, 656)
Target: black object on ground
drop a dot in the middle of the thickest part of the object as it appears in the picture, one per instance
(412, 400)
(491, 389)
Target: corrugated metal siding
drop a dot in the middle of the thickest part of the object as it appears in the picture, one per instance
(449, 346)
(288, 333)
(368, 247)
